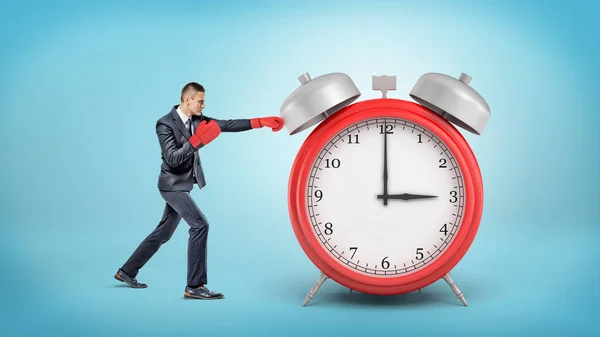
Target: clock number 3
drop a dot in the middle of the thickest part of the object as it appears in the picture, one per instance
(453, 197)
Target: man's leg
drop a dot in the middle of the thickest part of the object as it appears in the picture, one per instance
(161, 234)
(183, 203)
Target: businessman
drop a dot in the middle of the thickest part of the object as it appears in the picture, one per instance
(182, 133)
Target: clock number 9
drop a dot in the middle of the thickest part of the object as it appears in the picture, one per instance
(319, 195)
(335, 163)
(328, 228)
(453, 198)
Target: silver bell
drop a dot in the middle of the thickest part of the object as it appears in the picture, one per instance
(453, 99)
(317, 99)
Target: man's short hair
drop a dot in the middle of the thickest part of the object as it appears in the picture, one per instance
(191, 87)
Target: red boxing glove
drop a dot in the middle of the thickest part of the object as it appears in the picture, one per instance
(205, 133)
(275, 123)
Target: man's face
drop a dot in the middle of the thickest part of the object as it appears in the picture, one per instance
(196, 103)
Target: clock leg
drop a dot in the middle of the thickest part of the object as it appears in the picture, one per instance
(455, 289)
(315, 288)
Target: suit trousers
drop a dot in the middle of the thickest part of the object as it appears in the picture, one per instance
(179, 204)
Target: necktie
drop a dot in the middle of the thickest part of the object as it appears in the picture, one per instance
(188, 125)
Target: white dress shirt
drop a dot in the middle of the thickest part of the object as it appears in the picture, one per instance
(184, 118)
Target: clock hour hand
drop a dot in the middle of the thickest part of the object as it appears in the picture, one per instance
(405, 196)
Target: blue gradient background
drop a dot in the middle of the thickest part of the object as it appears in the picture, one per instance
(82, 86)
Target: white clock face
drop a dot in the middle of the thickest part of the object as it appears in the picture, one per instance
(385, 234)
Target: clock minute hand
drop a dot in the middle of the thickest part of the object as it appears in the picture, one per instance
(405, 196)
(385, 168)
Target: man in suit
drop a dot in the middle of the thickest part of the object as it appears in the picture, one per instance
(182, 133)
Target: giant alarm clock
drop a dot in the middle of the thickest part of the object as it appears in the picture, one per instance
(385, 195)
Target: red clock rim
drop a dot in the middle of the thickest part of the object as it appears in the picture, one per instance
(385, 108)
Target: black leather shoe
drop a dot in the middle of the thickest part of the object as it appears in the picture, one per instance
(121, 276)
(202, 293)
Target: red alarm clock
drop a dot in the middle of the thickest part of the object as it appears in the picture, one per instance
(385, 195)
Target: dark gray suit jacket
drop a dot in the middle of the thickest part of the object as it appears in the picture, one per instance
(179, 156)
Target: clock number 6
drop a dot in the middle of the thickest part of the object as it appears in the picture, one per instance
(385, 264)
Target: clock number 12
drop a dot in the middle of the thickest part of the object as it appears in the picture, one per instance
(388, 129)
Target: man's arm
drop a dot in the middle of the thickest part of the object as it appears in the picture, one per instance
(237, 125)
(173, 155)
(231, 125)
